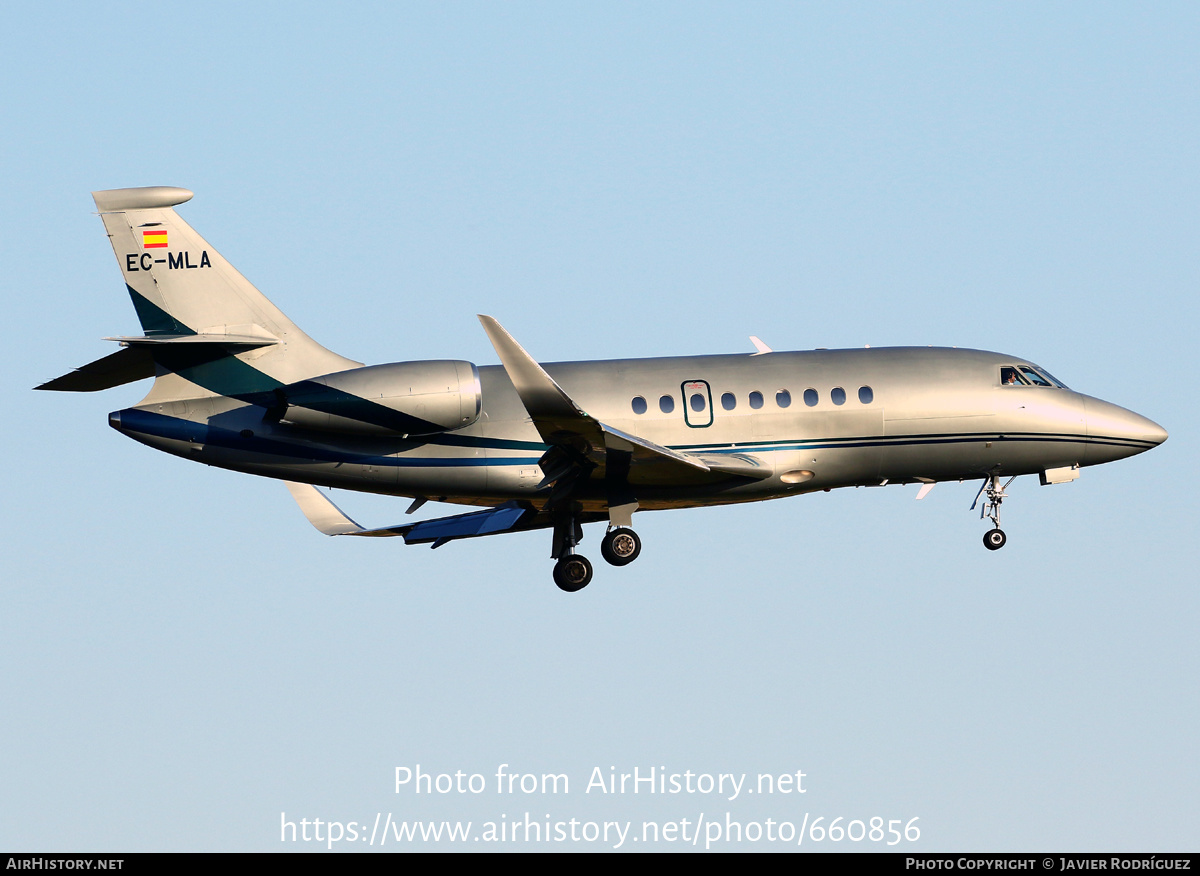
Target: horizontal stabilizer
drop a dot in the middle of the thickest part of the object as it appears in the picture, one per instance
(136, 362)
(231, 340)
(121, 367)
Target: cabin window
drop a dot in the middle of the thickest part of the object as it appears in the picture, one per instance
(639, 405)
(866, 395)
(728, 401)
(756, 400)
(783, 398)
(811, 397)
(838, 395)
(666, 404)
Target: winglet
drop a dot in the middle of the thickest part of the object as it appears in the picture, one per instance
(537, 389)
(555, 414)
(760, 346)
(327, 517)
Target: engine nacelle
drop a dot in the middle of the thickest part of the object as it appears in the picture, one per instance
(400, 398)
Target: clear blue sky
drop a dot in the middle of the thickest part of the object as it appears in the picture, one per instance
(184, 658)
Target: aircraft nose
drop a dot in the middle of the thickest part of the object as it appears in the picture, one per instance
(1115, 432)
(1155, 432)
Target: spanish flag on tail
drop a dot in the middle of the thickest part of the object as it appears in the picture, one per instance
(154, 238)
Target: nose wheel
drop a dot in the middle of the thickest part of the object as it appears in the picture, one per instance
(993, 539)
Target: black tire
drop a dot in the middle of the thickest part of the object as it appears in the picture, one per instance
(572, 573)
(621, 546)
(994, 539)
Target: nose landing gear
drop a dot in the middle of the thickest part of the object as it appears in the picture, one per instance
(993, 539)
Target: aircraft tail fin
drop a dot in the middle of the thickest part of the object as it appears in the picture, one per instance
(203, 321)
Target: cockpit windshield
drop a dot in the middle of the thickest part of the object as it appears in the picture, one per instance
(1028, 375)
(1053, 380)
(1034, 378)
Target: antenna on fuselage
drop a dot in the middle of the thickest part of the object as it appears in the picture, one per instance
(760, 346)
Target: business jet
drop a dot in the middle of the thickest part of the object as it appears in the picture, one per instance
(557, 445)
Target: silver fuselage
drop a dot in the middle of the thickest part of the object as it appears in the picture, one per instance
(909, 413)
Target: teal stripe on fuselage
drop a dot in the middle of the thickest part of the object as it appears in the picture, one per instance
(487, 443)
(148, 423)
(162, 426)
(214, 368)
(909, 440)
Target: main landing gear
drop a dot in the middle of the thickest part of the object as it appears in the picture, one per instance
(573, 571)
(993, 539)
(621, 546)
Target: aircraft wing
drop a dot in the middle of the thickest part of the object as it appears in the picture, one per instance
(565, 426)
(329, 519)
(553, 412)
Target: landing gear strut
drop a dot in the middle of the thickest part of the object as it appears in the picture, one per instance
(993, 539)
(573, 571)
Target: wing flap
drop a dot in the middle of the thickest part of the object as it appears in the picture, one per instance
(740, 464)
(470, 525)
(644, 450)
